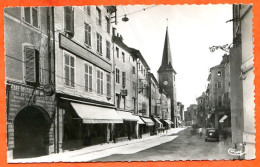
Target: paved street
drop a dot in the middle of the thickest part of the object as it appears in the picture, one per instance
(177, 144)
(184, 147)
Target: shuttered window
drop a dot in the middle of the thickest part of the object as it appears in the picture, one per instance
(108, 24)
(88, 77)
(69, 70)
(87, 34)
(32, 71)
(108, 85)
(87, 10)
(69, 20)
(31, 16)
(100, 82)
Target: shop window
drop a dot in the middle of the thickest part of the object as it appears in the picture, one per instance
(32, 65)
(88, 77)
(69, 70)
(100, 82)
(31, 16)
(87, 34)
(69, 20)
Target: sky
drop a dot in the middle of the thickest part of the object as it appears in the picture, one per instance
(192, 30)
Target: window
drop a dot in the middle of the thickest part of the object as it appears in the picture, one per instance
(219, 73)
(215, 85)
(117, 76)
(108, 24)
(134, 86)
(31, 15)
(88, 77)
(117, 52)
(133, 70)
(141, 69)
(99, 43)
(123, 56)
(219, 84)
(139, 65)
(108, 85)
(87, 34)
(108, 49)
(69, 70)
(124, 102)
(98, 16)
(32, 65)
(69, 20)
(117, 100)
(219, 101)
(123, 79)
(100, 82)
(87, 10)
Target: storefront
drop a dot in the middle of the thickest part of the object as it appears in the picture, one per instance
(128, 130)
(30, 121)
(158, 128)
(147, 128)
(166, 123)
(84, 124)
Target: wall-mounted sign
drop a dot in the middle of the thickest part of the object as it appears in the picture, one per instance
(123, 92)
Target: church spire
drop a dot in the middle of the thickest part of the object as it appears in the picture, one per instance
(167, 57)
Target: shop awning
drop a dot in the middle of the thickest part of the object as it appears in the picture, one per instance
(95, 114)
(179, 122)
(148, 121)
(159, 122)
(167, 121)
(140, 121)
(172, 122)
(223, 119)
(127, 116)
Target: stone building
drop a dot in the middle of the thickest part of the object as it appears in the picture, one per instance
(125, 88)
(242, 82)
(191, 115)
(29, 62)
(84, 76)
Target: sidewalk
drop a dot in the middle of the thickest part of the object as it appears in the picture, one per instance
(65, 156)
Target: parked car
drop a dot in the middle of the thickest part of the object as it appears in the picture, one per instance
(212, 134)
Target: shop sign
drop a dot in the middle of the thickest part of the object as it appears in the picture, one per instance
(21, 96)
(123, 92)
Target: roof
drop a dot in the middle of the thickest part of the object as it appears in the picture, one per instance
(139, 55)
(166, 64)
(153, 77)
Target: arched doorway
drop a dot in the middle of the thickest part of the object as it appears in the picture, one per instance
(31, 128)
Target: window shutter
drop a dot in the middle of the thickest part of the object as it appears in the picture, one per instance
(31, 65)
(69, 20)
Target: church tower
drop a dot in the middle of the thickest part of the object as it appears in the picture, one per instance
(166, 75)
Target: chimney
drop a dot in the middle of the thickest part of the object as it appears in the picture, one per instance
(121, 38)
(114, 31)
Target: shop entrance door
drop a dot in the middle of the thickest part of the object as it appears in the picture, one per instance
(31, 128)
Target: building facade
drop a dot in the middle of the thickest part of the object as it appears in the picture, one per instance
(242, 82)
(84, 76)
(29, 82)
